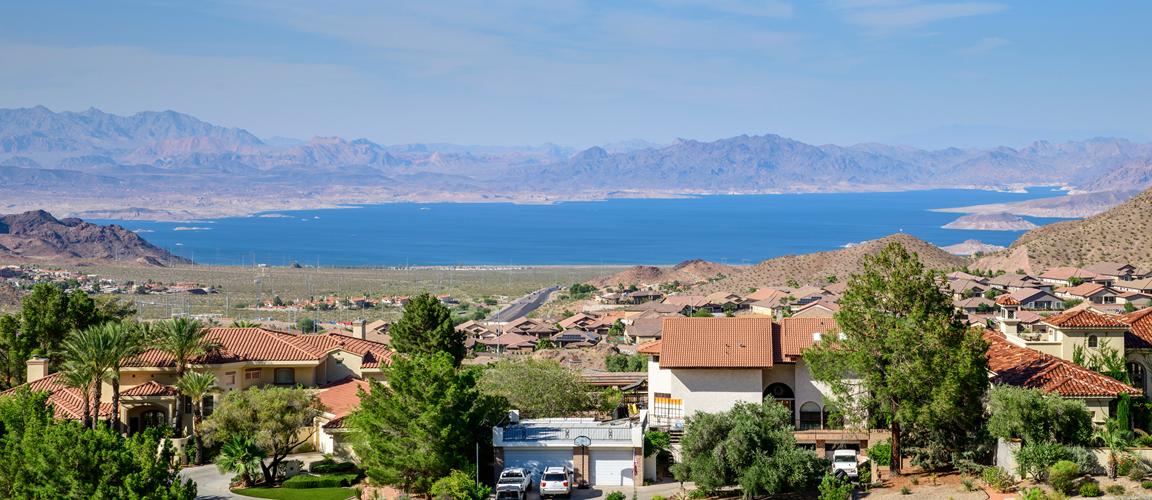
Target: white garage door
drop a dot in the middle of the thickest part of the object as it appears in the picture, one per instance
(537, 459)
(611, 467)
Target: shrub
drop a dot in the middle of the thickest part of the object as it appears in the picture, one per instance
(1062, 476)
(330, 481)
(1086, 460)
(1035, 459)
(881, 453)
(659, 497)
(969, 467)
(615, 495)
(998, 479)
(1115, 490)
(329, 466)
(1144, 441)
(834, 489)
(968, 485)
(1138, 473)
(459, 486)
(1090, 490)
(1128, 463)
(904, 490)
(1146, 485)
(1035, 493)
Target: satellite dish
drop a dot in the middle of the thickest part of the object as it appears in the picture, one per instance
(583, 441)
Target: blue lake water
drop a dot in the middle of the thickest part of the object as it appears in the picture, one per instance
(731, 229)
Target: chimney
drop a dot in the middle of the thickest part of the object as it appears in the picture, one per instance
(360, 329)
(37, 369)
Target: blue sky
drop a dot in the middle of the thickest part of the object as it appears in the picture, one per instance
(927, 73)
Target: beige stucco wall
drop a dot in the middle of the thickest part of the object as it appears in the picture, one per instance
(716, 389)
(659, 380)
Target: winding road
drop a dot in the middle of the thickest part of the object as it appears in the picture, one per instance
(523, 305)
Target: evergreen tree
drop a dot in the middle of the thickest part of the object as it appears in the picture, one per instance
(426, 328)
(424, 423)
(905, 361)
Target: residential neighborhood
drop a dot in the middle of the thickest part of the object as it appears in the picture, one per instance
(661, 361)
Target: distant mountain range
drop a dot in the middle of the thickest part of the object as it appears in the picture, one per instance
(93, 163)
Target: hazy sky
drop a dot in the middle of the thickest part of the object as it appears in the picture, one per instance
(579, 73)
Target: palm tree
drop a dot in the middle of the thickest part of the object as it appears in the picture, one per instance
(1117, 439)
(197, 386)
(91, 352)
(126, 343)
(79, 378)
(245, 324)
(242, 456)
(184, 340)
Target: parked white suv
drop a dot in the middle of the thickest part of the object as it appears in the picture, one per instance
(556, 481)
(845, 460)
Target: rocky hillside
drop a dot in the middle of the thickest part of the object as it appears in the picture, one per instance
(38, 236)
(687, 272)
(815, 268)
(1122, 234)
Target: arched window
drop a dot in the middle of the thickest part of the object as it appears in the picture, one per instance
(1138, 375)
(810, 417)
(1093, 341)
(782, 394)
(152, 418)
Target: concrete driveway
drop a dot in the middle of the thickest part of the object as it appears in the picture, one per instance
(211, 484)
(642, 492)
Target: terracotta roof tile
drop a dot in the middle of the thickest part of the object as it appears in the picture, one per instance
(1007, 300)
(342, 397)
(1023, 367)
(741, 342)
(150, 388)
(375, 354)
(67, 402)
(259, 344)
(1066, 273)
(652, 347)
(1139, 335)
(796, 334)
(1084, 289)
(1084, 318)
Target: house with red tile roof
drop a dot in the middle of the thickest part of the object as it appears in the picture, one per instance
(1138, 347)
(1020, 366)
(710, 364)
(340, 399)
(1071, 276)
(247, 357)
(1095, 293)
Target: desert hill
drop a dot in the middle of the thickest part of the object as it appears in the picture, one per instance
(1122, 234)
(814, 268)
(687, 272)
(38, 236)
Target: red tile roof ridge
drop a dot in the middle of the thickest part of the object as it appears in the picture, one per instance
(1023, 367)
(1084, 318)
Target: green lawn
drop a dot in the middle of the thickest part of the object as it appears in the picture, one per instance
(298, 494)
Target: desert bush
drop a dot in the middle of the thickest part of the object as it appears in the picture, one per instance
(1146, 485)
(1090, 490)
(1062, 476)
(904, 490)
(615, 495)
(1035, 459)
(330, 466)
(1086, 460)
(998, 479)
(1115, 490)
(834, 489)
(881, 453)
(968, 485)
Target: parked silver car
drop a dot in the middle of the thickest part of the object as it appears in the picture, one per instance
(556, 481)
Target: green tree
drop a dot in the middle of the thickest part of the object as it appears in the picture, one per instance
(1117, 439)
(1034, 416)
(702, 312)
(125, 342)
(41, 457)
(240, 455)
(15, 350)
(306, 325)
(424, 423)
(538, 388)
(459, 486)
(197, 386)
(426, 328)
(270, 416)
(184, 340)
(626, 363)
(750, 445)
(1105, 360)
(904, 359)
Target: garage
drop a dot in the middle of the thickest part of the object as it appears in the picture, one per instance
(611, 467)
(537, 459)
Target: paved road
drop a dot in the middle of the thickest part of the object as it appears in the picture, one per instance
(523, 305)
